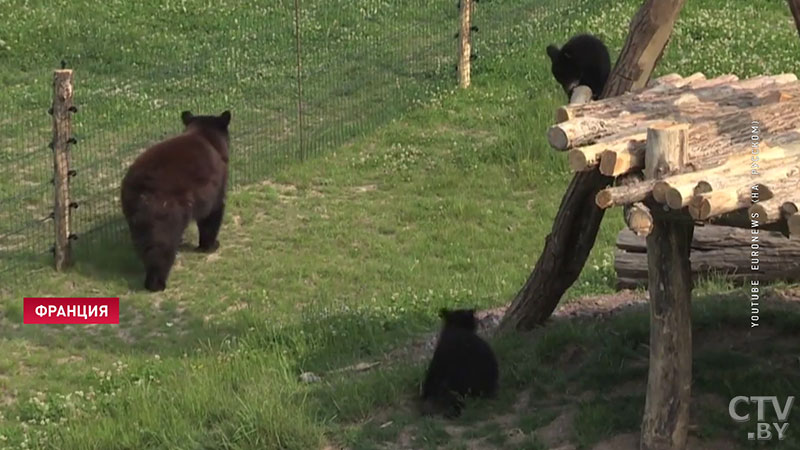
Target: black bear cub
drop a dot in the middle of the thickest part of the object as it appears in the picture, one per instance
(175, 181)
(583, 60)
(463, 365)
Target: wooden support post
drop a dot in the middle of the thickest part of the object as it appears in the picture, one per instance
(465, 47)
(666, 415)
(666, 150)
(62, 135)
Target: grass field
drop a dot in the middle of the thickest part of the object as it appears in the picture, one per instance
(346, 258)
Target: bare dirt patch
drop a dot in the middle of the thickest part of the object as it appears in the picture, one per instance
(630, 441)
(558, 431)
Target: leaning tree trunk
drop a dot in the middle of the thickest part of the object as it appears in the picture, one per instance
(649, 35)
(794, 7)
(578, 220)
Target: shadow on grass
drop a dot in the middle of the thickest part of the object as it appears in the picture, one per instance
(105, 253)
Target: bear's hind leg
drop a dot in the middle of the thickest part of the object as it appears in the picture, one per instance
(159, 253)
(159, 259)
(208, 228)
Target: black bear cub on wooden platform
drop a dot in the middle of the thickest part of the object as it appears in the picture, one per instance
(583, 60)
(463, 365)
(175, 181)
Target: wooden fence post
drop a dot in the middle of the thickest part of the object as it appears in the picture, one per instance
(465, 47)
(62, 137)
(666, 412)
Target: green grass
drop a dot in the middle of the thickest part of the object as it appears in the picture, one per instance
(348, 256)
(137, 65)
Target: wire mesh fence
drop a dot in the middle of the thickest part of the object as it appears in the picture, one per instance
(300, 77)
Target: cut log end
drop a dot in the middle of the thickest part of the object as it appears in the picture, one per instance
(563, 114)
(604, 199)
(639, 219)
(578, 160)
(608, 163)
(760, 211)
(660, 191)
(772, 210)
(614, 163)
(557, 138)
(674, 199)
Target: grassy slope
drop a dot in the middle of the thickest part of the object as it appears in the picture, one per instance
(348, 256)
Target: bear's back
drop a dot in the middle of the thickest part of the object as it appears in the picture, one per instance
(183, 162)
(592, 61)
(470, 360)
(586, 45)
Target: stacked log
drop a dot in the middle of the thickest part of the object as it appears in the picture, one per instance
(725, 174)
(715, 251)
(602, 142)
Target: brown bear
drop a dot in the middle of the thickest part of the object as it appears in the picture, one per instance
(175, 181)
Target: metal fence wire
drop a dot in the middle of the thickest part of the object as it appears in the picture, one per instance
(300, 76)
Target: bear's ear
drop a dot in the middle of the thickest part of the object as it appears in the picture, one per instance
(552, 52)
(225, 117)
(186, 117)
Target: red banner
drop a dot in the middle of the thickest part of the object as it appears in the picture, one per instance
(70, 310)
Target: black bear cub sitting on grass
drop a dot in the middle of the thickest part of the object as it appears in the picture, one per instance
(463, 365)
(583, 60)
(175, 181)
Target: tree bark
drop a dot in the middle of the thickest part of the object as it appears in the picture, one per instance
(623, 195)
(650, 31)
